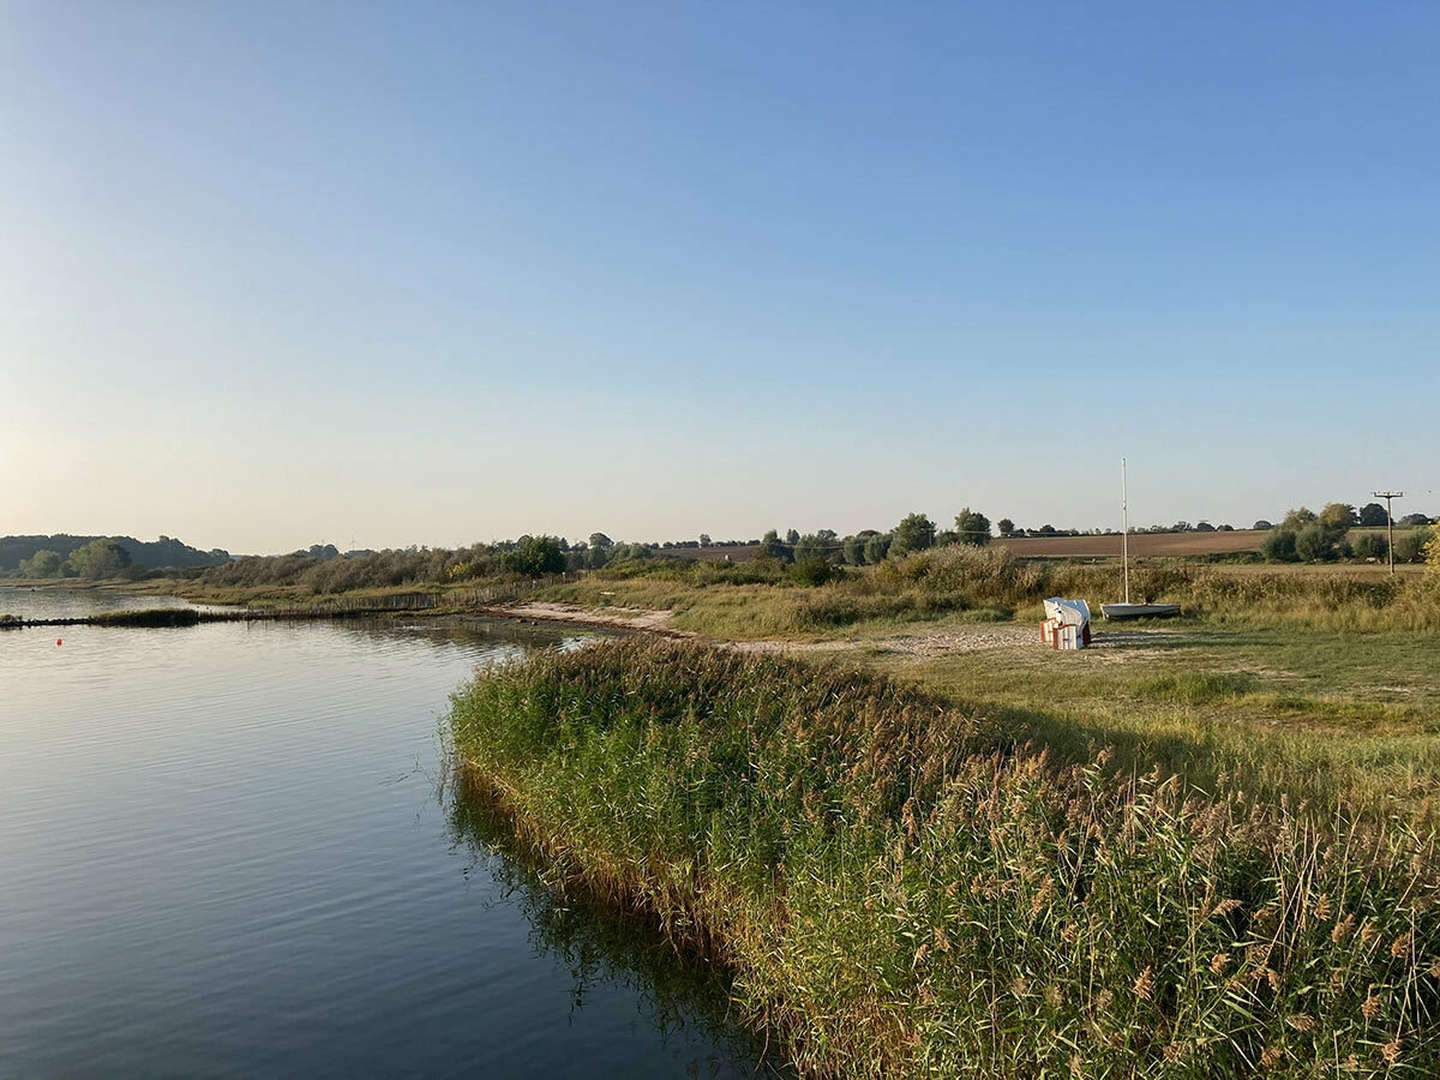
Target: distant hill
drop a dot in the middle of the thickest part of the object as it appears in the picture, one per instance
(150, 555)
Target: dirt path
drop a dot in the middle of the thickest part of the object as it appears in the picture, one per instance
(657, 622)
(923, 645)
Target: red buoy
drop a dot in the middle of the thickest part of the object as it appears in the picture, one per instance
(59, 642)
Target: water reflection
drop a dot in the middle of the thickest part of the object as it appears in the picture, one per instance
(604, 946)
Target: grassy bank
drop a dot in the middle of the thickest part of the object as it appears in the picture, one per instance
(900, 887)
(760, 599)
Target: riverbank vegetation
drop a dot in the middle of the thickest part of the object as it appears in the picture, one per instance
(903, 886)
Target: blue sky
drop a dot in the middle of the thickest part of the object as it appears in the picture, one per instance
(432, 273)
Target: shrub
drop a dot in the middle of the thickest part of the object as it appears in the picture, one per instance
(877, 548)
(1315, 543)
(1297, 519)
(1410, 545)
(812, 570)
(1279, 546)
(535, 556)
(43, 564)
(1371, 546)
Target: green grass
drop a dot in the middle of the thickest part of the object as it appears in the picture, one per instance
(1314, 713)
(899, 887)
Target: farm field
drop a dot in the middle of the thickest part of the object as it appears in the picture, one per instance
(1141, 544)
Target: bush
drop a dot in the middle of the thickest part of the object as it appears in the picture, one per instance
(535, 556)
(43, 564)
(1279, 546)
(1371, 546)
(877, 548)
(812, 570)
(1315, 543)
(1410, 546)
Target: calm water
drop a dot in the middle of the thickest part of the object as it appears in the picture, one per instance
(222, 854)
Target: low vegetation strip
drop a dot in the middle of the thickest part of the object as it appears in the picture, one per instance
(899, 889)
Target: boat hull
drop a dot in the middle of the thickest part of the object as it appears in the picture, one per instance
(1139, 611)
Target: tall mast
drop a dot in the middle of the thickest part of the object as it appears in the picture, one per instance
(1125, 537)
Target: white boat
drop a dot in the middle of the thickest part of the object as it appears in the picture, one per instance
(1127, 610)
(1139, 611)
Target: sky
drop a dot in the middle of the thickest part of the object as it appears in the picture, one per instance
(274, 274)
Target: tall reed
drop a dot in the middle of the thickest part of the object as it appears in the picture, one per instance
(900, 890)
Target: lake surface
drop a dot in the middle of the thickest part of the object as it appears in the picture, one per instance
(222, 853)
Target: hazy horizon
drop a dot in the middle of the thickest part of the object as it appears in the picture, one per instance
(431, 274)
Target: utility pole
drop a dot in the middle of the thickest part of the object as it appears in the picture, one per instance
(1389, 522)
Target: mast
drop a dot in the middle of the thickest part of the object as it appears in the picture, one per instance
(1125, 536)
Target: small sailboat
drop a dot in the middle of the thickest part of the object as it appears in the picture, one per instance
(1127, 610)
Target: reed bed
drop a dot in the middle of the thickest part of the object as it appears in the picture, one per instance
(899, 889)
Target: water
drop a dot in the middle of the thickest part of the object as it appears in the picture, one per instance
(222, 854)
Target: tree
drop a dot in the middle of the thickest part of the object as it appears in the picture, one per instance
(877, 547)
(1204, 526)
(98, 559)
(792, 536)
(1314, 543)
(1373, 515)
(916, 532)
(43, 564)
(1262, 524)
(704, 539)
(1413, 519)
(1371, 546)
(1337, 519)
(1297, 519)
(770, 544)
(534, 556)
(1006, 527)
(1432, 551)
(973, 527)
(813, 546)
(601, 541)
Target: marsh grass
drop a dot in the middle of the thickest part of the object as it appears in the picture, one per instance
(901, 888)
(147, 617)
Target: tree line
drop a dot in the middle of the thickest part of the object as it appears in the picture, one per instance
(64, 555)
(1305, 536)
